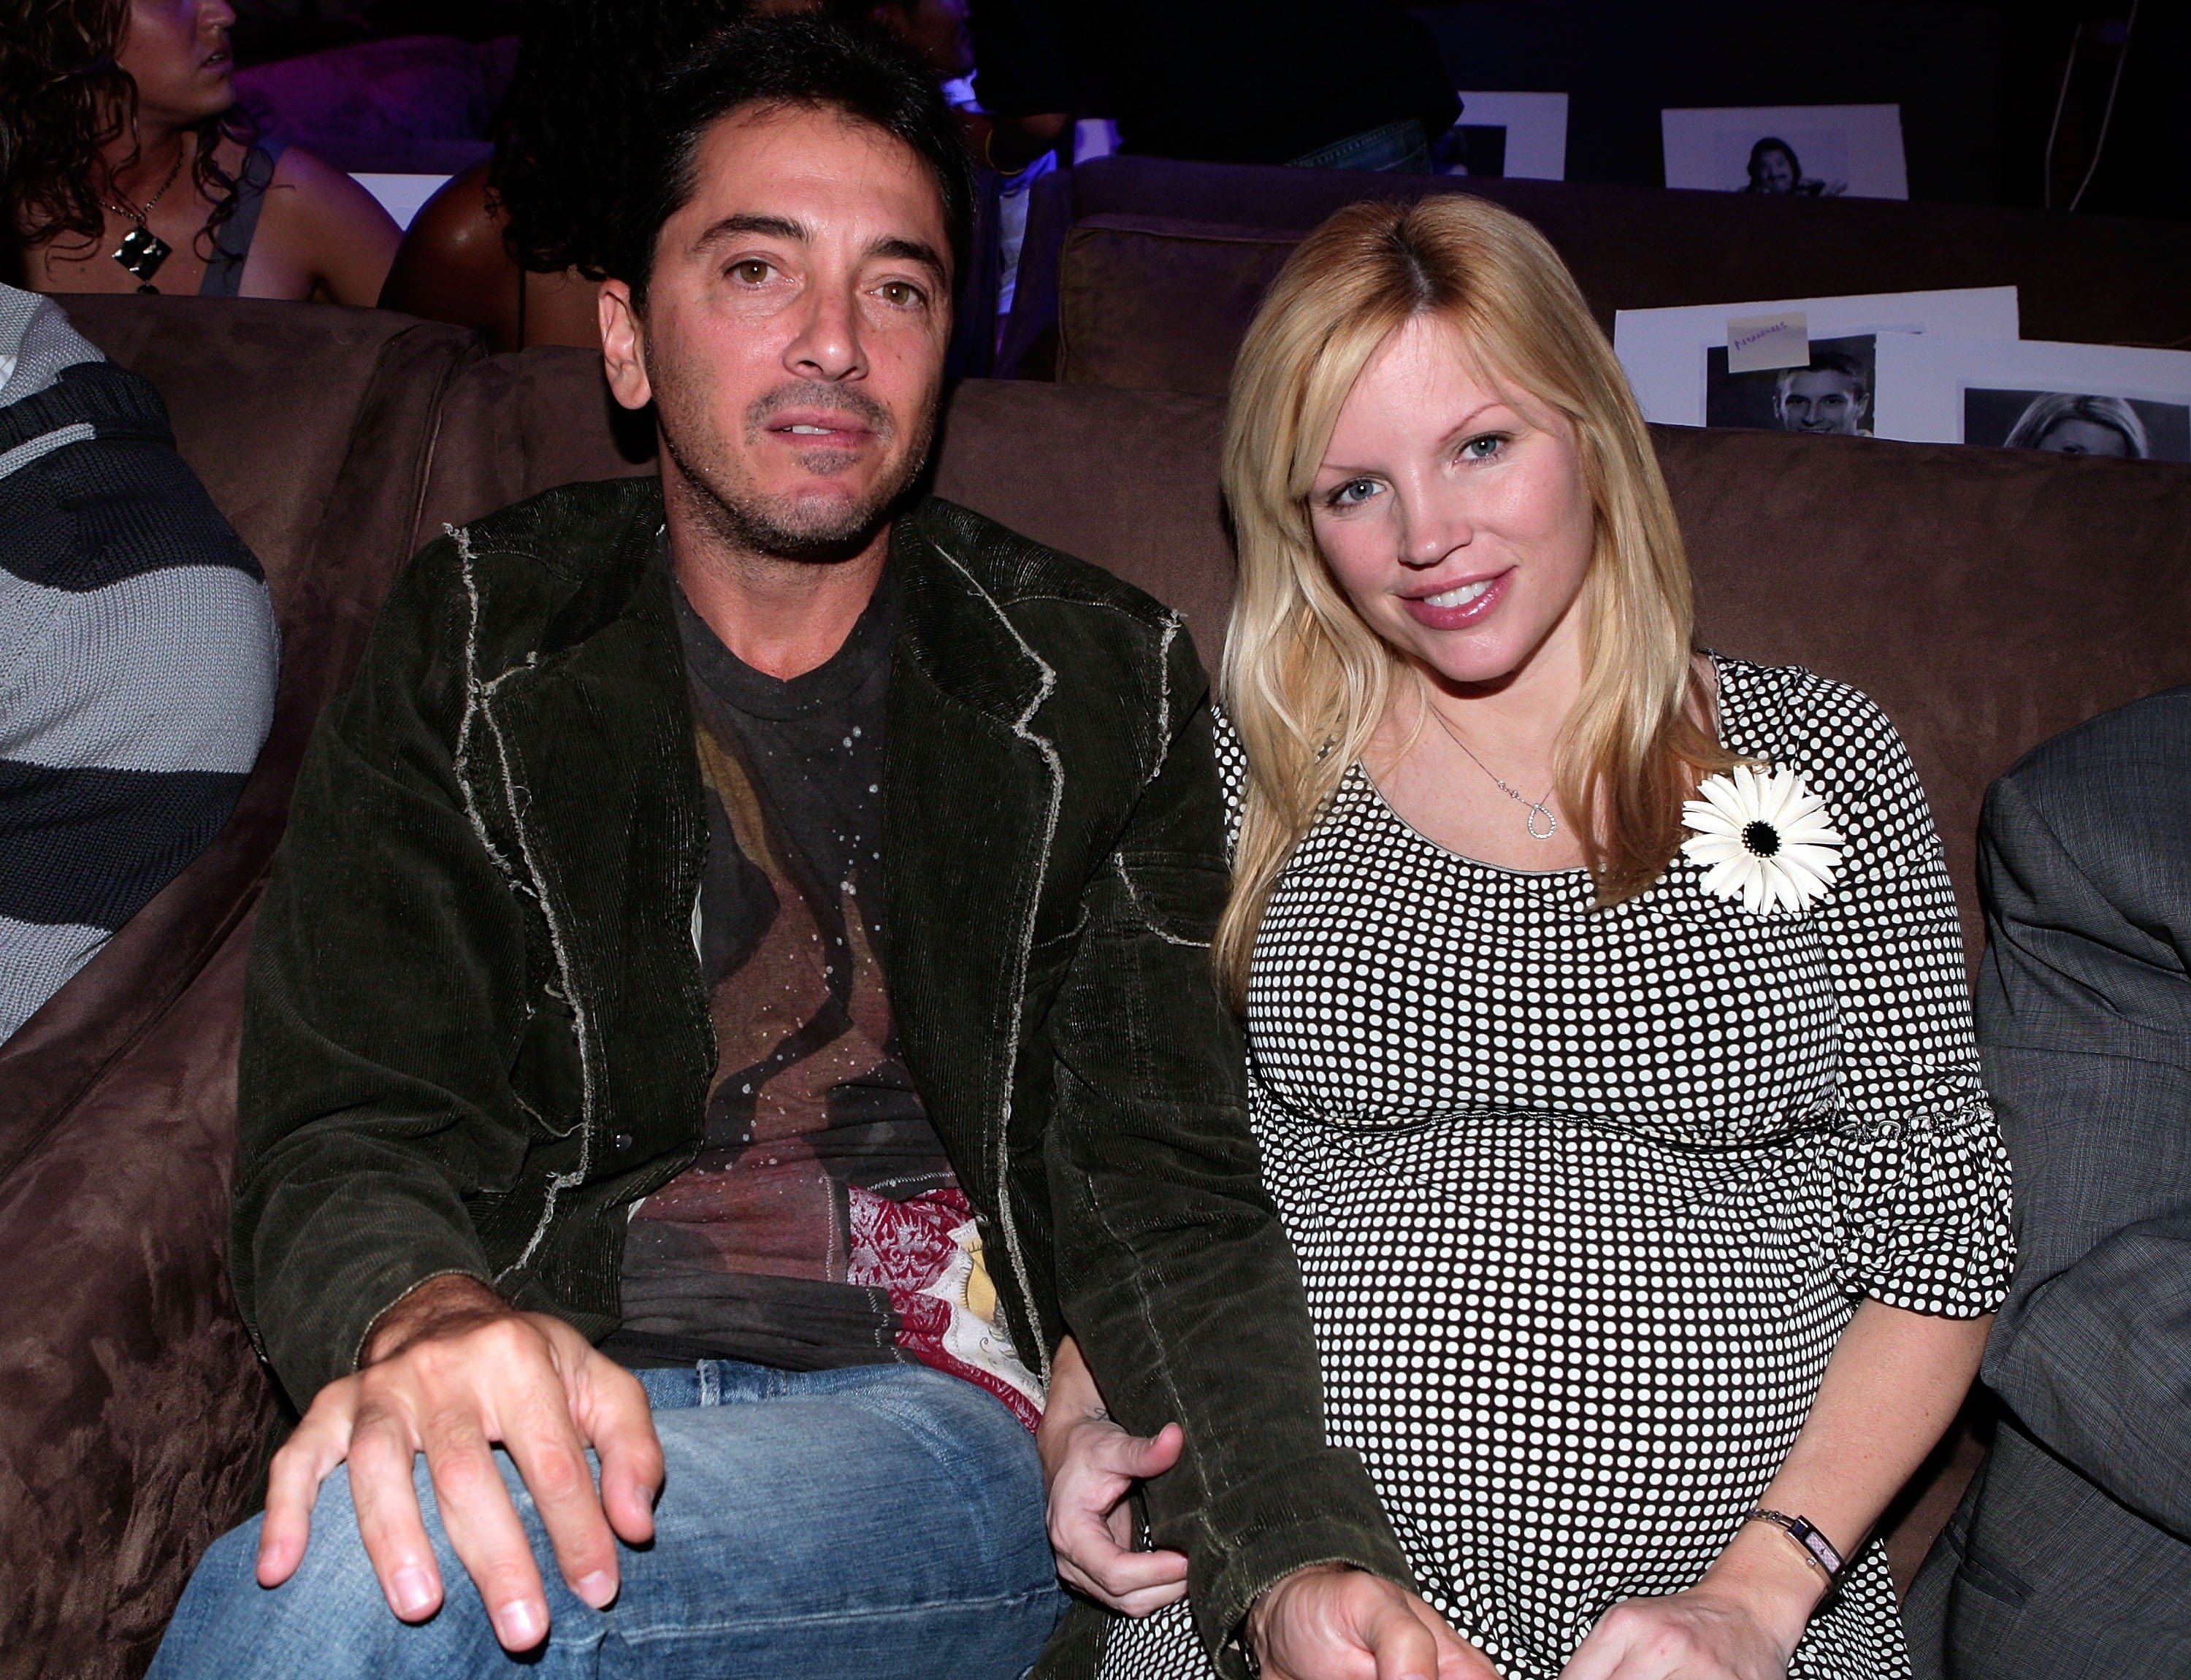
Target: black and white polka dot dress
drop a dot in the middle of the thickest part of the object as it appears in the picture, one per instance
(1583, 1199)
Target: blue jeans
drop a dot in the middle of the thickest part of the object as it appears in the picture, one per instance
(885, 1521)
(1397, 147)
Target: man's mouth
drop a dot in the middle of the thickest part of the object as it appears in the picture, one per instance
(823, 430)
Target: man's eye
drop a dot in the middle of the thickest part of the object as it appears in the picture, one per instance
(901, 293)
(753, 271)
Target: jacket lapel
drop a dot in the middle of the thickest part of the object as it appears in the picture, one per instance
(971, 794)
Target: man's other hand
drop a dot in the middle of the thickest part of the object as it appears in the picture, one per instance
(452, 1370)
(1090, 1465)
(1340, 1624)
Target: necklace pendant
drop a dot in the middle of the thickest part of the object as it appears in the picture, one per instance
(1552, 823)
(141, 252)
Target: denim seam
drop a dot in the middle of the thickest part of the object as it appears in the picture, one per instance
(990, 1602)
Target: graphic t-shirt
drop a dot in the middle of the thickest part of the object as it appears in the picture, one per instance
(822, 1224)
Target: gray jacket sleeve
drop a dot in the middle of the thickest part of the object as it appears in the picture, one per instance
(2085, 1029)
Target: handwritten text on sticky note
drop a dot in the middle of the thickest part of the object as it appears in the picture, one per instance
(1758, 343)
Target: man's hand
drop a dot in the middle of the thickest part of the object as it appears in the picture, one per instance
(1340, 1624)
(1089, 1464)
(451, 1370)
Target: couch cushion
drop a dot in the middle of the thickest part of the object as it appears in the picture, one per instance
(515, 425)
(1129, 304)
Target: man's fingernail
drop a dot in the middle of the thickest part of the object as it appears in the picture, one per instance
(415, 1592)
(596, 1589)
(520, 1624)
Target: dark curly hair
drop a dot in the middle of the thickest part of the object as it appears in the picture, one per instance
(578, 105)
(63, 99)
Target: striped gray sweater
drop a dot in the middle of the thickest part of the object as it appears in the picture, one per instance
(137, 654)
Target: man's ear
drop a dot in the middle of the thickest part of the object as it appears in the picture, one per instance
(624, 346)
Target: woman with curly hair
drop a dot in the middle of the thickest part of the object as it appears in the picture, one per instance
(128, 167)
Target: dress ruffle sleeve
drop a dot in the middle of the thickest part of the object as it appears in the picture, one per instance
(1921, 1174)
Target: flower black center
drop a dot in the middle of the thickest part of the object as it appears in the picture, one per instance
(1762, 839)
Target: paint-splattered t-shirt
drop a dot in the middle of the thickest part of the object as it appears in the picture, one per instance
(822, 1224)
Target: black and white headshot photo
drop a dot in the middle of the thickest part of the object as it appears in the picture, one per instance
(2065, 422)
(1832, 395)
(1773, 167)
(1788, 152)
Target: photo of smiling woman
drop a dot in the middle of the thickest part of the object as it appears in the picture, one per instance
(1612, 1059)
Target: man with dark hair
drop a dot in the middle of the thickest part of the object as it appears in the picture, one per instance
(758, 921)
(1833, 394)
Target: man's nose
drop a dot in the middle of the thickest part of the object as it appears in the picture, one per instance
(829, 344)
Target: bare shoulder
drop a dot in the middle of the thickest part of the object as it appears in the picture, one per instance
(453, 265)
(325, 234)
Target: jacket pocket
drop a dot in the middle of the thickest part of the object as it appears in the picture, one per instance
(1178, 896)
(548, 1075)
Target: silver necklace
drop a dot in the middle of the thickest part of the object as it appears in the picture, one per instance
(142, 251)
(1538, 809)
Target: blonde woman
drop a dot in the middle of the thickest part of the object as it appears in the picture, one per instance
(1612, 1062)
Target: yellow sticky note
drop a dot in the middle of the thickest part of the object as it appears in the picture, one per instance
(1759, 343)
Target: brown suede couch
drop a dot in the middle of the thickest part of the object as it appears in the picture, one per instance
(1164, 262)
(1987, 598)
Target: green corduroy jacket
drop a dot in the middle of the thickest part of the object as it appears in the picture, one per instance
(476, 1029)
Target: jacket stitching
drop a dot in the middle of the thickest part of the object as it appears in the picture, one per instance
(1172, 627)
(1056, 767)
(557, 1182)
(460, 761)
(477, 694)
(1156, 1340)
(1134, 898)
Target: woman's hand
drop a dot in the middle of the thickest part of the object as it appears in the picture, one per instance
(1089, 1464)
(1740, 1622)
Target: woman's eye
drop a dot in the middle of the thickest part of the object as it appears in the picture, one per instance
(1354, 493)
(1483, 448)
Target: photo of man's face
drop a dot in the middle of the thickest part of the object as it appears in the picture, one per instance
(1822, 399)
(1774, 171)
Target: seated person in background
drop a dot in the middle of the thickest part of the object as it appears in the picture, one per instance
(2062, 423)
(1832, 395)
(130, 168)
(824, 875)
(1303, 81)
(137, 654)
(2071, 1555)
(515, 247)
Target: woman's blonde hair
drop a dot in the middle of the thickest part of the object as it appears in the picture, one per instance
(1307, 682)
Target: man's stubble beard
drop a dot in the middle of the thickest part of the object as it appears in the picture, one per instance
(746, 522)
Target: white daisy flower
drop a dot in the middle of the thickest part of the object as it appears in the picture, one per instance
(1762, 836)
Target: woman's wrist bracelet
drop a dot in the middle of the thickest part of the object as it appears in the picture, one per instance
(1817, 1551)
